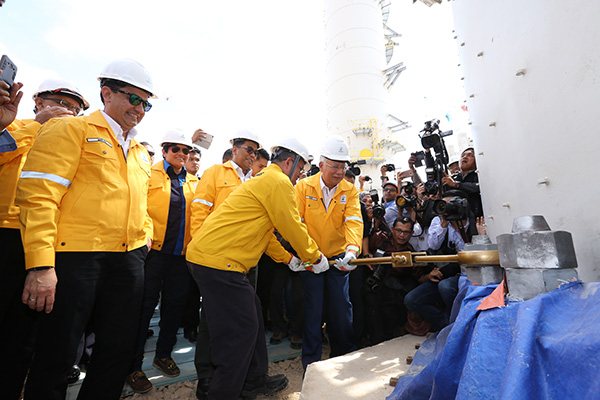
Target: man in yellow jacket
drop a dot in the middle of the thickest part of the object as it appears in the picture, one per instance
(330, 208)
(217, 183)
(165, 273)
(54, 98)
(229, 243)
(86, 231)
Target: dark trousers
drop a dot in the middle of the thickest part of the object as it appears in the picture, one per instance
(18, 322)
(234, 316)
(356, 290)
(203, 355)
(339, 313)
(191, 315)
(106, 287)
(167, 276)
(424, 298)
(284, 279)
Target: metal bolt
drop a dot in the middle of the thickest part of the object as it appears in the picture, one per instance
(480, 54)
(521, 72)
(544, 181)
(492, 124)
(506, 205)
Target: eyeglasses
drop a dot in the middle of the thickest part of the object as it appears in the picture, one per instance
(389, 190)
(400, 231)
(64, 104)
(250, 150)
(339, 167)
(151, 153)
(135, 100)
(184, 150)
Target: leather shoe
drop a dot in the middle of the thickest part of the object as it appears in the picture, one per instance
(295, 342)
(264, 384)
(202, 388)
(277, 337)
(139, 382)
(190, 334)
(73, 374)
(167, 366)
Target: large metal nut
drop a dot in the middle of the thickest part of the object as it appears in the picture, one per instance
(542, 249)
(525, 284)
(483, 274)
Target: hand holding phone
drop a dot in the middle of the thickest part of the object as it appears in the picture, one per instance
(202, 139)
(9, 71)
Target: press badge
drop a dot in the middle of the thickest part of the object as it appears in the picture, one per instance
(343, 199)
(99, 140)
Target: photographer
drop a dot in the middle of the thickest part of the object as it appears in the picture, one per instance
(387, 286)
(448, 233)
(467, 181)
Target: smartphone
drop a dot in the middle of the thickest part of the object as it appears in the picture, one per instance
(9, 70)
(205, 142)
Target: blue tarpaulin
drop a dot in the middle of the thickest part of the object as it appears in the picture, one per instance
(544, 348)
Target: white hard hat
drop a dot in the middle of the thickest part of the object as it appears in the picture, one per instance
(292, 144)
(248, 135)
(454, 159)
(176, 136)
(335, 148)
(128, 71)
(61, 86)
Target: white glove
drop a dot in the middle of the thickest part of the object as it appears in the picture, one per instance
(342, 263)
(321, 265)
(296, 264)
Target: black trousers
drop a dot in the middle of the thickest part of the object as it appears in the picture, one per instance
(234, 316)
(166, 274)
(18, 322)
(294, 310)
(107, 288)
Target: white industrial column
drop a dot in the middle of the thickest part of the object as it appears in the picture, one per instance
(356, 97)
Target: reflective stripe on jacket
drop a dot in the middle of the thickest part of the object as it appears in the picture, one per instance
(234, 236)
(159, 196)
(11, 164)
(77, 192)
(216, 185)
(336, 228)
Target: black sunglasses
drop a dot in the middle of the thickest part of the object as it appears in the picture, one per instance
(184, 150)
(249, 149)
(135, 100)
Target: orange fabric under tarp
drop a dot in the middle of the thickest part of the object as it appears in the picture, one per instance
(495, 299)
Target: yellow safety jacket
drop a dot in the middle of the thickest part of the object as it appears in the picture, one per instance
(11, 164)
(77, 192)
(216, 185)
(235, 236)
(335, 230)
(159, 197)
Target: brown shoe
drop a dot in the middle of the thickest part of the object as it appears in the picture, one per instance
(277, 337)
(139, 382)
(167, 366)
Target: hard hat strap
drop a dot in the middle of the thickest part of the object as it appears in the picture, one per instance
(294, 166)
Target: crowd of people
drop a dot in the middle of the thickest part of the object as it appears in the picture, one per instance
(95, 234)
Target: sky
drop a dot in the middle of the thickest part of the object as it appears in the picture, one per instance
(227, 66)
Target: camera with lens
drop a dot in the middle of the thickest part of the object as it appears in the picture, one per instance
(375, 281)
(389, 167)
(368, 178)
(352, 166)
(454, 209)
(408, 198)
(431, 188)
(378, 208)
(314, 169)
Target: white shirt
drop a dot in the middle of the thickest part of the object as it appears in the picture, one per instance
(327, 193)
(118, 131)
(243, 177)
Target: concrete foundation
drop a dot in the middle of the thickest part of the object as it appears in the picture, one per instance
(363, 374)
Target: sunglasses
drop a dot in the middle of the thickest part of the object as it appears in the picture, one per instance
(176, 149)
(400, 231)
(249, 149)
(135, 100)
